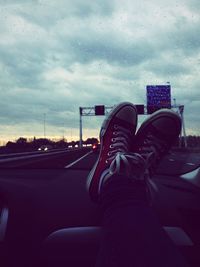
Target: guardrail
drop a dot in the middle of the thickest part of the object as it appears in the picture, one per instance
(37, 152)
(42, 159)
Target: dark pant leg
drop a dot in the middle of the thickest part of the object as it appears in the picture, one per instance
(132, 235)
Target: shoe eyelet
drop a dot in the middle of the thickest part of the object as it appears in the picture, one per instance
(109, 154)
(111, 146)
(115, 126)
(115, 133)
(106, 161)
(113, 140)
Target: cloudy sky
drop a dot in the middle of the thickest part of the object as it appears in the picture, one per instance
(57, 55)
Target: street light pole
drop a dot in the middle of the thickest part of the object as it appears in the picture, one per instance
(63, 131)
(44, 125)
(81, 133)
(174, 102)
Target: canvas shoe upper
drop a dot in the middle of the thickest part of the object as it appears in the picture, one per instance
(116, 138)
(156, 136)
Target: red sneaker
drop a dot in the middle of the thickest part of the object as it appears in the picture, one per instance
(116, 138)
(156, 136)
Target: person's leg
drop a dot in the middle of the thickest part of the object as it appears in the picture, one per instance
(118, 182)
(132, 234)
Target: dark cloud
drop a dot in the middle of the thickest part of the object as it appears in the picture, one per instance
(182, 38)
(48, 13)
(168, 69)
(194, 5)
(112, 50)
(58, 55)
(186, 37)
(23, 65)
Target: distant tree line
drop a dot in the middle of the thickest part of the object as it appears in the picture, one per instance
(23, 144)
(193, 141)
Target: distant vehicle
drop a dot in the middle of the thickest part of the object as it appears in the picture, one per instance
(96, 148)
(45, 148)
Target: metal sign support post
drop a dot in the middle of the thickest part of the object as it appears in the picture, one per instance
(183, 131)
(180, 110)
(81, 133)
(88, 111)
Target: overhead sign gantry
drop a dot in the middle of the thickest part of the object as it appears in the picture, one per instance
(158, 97)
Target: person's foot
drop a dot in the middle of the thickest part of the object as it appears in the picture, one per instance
(116, 137)
(156, 136)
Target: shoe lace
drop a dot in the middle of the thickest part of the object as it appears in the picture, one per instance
(120, 142)
(129, 164)
(152, 150)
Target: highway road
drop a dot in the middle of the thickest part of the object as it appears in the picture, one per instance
(173, 163)
(60, 158)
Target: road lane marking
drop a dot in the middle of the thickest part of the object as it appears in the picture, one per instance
(76, 161)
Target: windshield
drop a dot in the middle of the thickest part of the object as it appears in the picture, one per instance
(60, 58)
